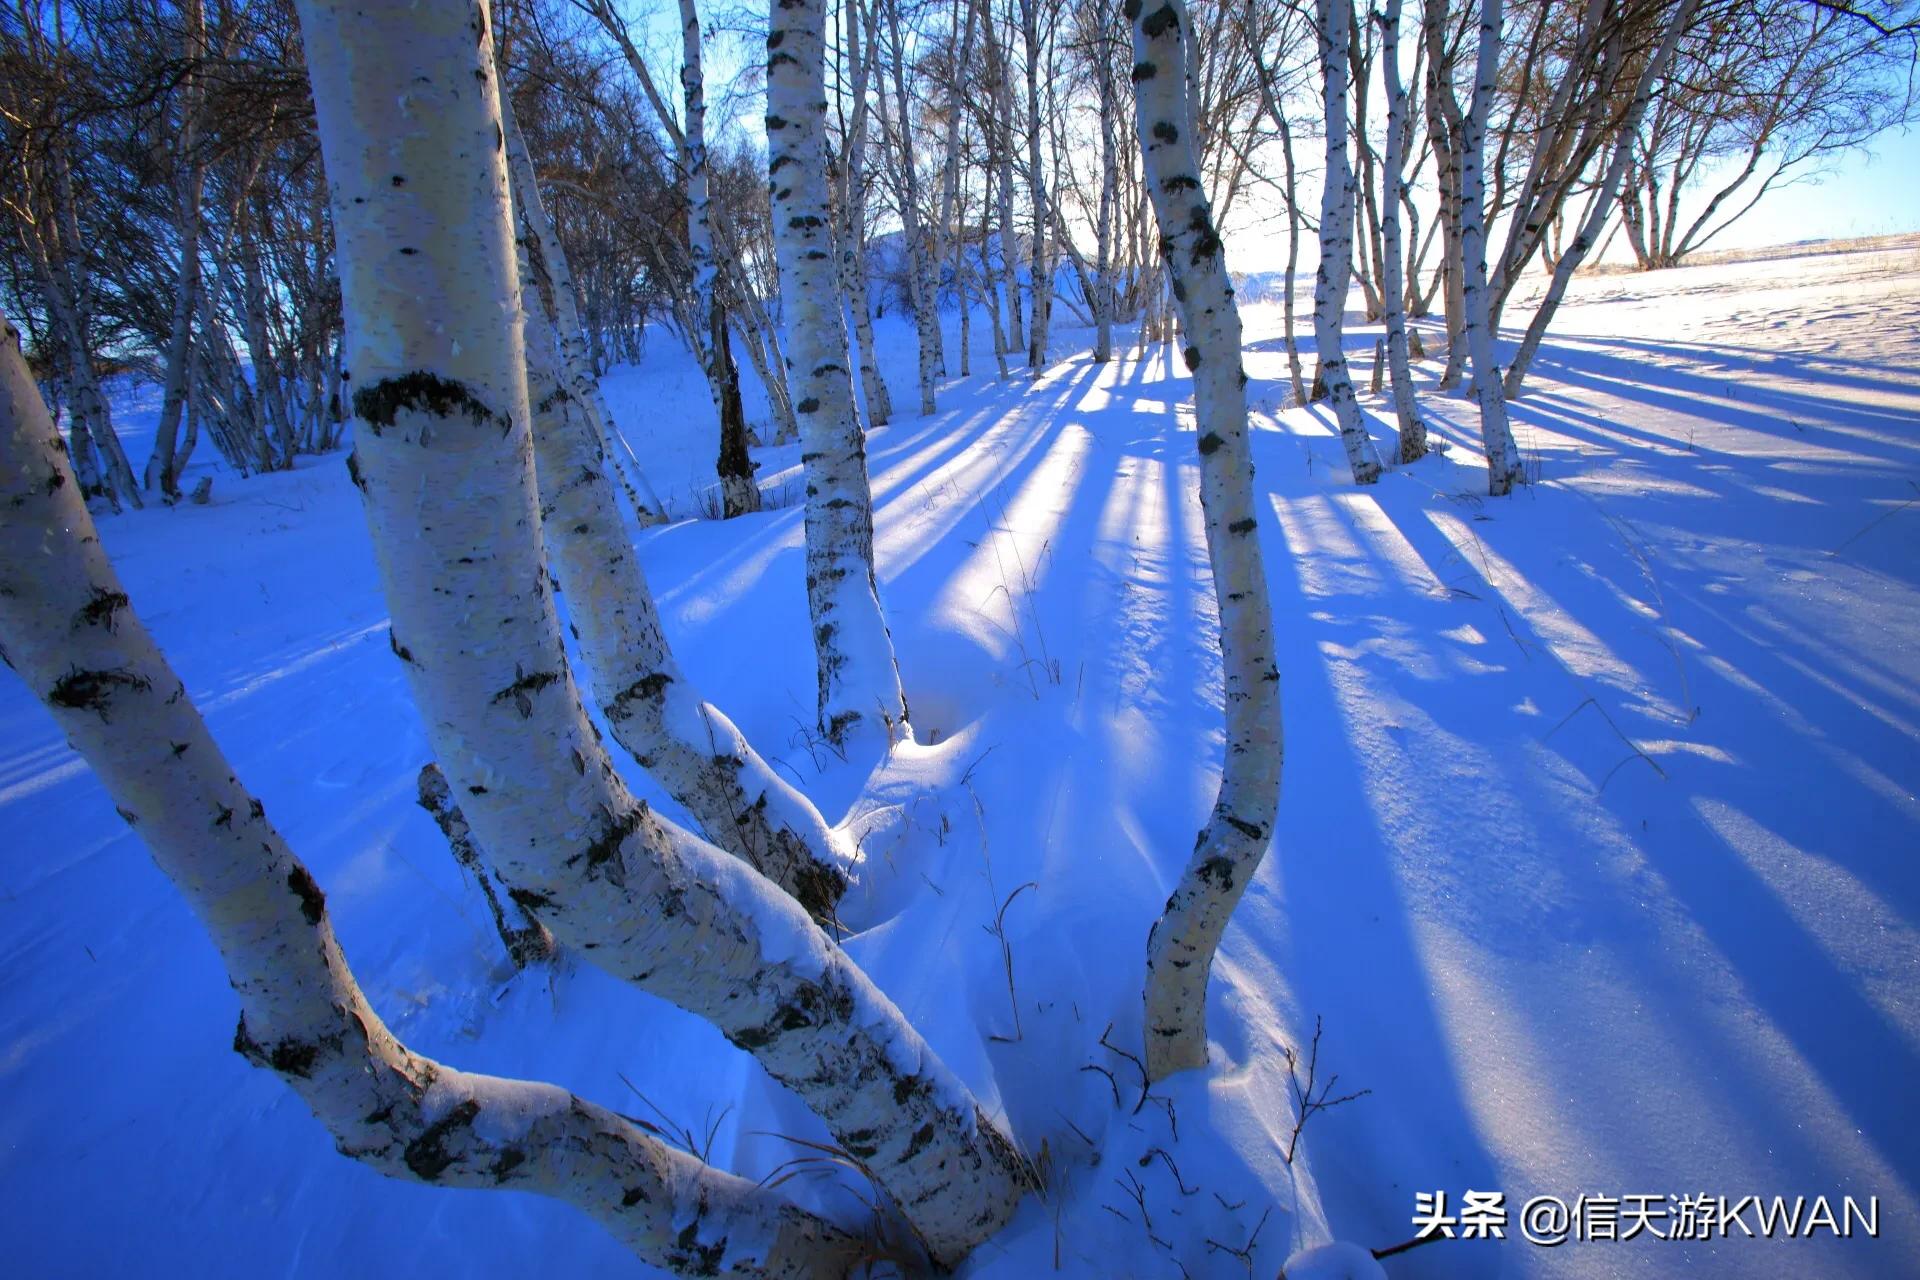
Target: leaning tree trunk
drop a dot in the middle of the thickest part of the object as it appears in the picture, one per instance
(1413, 431)
(69, 631)
(655, 712)
(1602, 206)
(1504, 468)
(739, 495)
(576, 357)
(1181, 947)
(859, 680)
(440, 416)
(1336, 246)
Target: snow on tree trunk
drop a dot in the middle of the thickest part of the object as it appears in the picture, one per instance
(441, 415)
(1336, 245)
(738, 494)
(859, 680)
(66, 627)
(1181, 947)
(1601, 206)
(1504, 468)
(1413, 431)
(655, 712)
(576, 357)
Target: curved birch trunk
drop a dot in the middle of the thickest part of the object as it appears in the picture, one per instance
(1504, 469)
(70, 633)
(1181, 947)
(655, 712)
(1601, 207)
(441, 415)
(1413, 431)
(1336, 246)
(859, 680)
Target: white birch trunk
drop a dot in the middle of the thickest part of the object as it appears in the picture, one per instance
(576, 357)
(853, 234)
(924, 285)
(1445, 127)
(739, 495)
(1109, 196)
(441, 415)
(69, 632)
(163, 466)
(1601, 207)
(1039, 268)
(1413, 431)
(944, 239)
(655, 712)
(1504, 468)
(859, 681)
(1181, 948)
(1336, 245)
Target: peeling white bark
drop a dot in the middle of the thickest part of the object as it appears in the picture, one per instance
(69, 632)
(441, 415)
(859, 681)
(1336, 244)
(1181, 948)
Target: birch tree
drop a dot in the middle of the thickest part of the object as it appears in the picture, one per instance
(1413, 431)
(1181, 947)
(1600, 207)
(689, 745)
(1504, 468)
(858, 679)
(68, 630)
(1335, 22)
(576, 360)
(738, 492)
(852, 205)
(441, 414)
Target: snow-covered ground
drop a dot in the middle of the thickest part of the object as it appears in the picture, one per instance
(1596, 856)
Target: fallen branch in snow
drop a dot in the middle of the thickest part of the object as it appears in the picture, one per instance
(1304, 1098)
(1634, 746)
(1878, 520)
(1245, 1251)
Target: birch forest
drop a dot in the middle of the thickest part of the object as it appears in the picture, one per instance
(765, 562)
